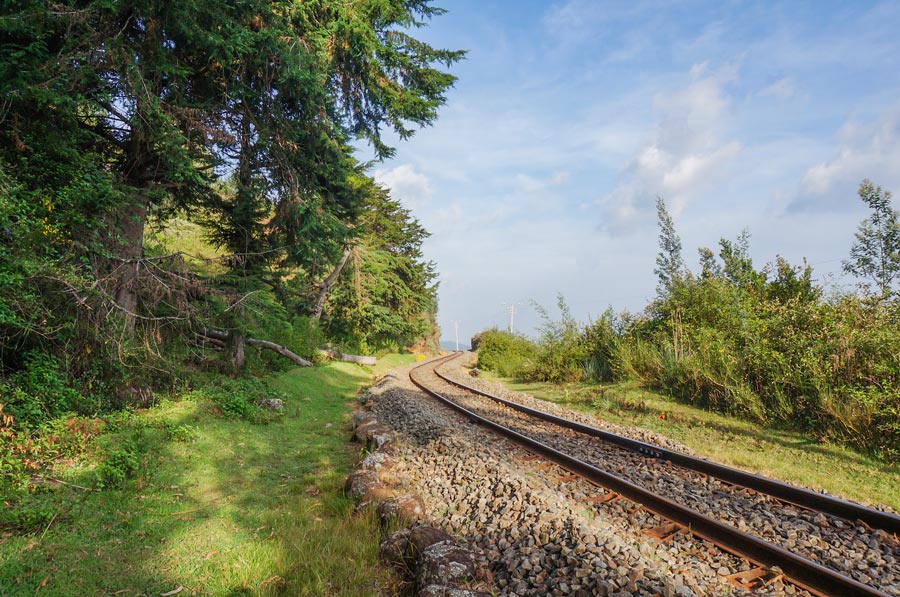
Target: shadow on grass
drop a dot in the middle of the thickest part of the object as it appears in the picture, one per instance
(244, 509)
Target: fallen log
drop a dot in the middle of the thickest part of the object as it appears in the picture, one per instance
(284, 351)
(350, 358)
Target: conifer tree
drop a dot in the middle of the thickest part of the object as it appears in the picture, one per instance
(119, 111)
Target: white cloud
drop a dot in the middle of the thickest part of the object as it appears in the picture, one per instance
(691, 170)
(783, 88)
(408, 186)
(688, 151)
(867, 150)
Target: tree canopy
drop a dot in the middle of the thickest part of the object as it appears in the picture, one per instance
(117, 113)
(875, 254)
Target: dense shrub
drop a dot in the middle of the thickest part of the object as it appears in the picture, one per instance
(562, 350)
(768, 349)
(240, 398)
(41, 391)
(505, 353)
(120, 465)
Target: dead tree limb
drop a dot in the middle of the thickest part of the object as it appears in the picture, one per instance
(326, 285)
(350, 358)
(282, 350)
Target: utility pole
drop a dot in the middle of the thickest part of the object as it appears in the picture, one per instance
(512, 308)
(456, 330)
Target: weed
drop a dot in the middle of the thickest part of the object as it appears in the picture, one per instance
(118, 467)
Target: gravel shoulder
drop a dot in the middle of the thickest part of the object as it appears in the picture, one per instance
(540, 531)
(872, 558)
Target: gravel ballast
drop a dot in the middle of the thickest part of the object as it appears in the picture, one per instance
(539, 531)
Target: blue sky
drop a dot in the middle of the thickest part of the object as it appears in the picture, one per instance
(569, 118)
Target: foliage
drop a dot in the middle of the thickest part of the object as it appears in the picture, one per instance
(30, 513)
(669, 263)
(505, 353)
(562, 354)
(119, 466)
(386, 296)
(764, 344)
(240, 398)
(121, 113)
(876, 252)
(769, 348)
(41, 391)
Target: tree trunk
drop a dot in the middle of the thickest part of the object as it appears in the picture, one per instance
(234, 352)
(130, 227)
(326, 285)
(282, 350)
(219, 336)
(130, 221)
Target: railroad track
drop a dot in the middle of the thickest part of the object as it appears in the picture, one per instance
(842, 544)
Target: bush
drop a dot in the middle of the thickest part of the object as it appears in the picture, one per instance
(30, 513)
(562, 351)
(118, 467)
(827, 367)
(239, 398)
(504, 353)
(771, 351)
(602, 346)
(40, 392)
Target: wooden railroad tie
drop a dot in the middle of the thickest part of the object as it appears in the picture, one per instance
(665, 532)
(609, 496)
(754, 578)
(566, 478)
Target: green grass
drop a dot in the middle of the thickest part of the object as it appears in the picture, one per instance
(218, 506)
(190, 238)
(789, 456)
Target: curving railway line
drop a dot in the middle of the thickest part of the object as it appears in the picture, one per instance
(824, 545)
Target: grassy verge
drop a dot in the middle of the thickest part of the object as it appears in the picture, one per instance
(213, 504)
(784, 455)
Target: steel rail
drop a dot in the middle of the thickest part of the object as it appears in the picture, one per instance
(804, 573)
(805, 498)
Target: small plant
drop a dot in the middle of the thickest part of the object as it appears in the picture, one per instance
(240, 398)
(119, 466)
(30, 513)
(39, 392)
(181, 433)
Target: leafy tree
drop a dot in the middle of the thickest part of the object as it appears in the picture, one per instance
(876, 252)
(120, 113)
(669, 264)
(385, 294)
(709, 267)
(792, 283)
(737, 266)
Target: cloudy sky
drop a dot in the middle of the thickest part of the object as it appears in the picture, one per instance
(569, 118)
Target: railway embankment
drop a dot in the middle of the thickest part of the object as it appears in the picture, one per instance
(539, 529)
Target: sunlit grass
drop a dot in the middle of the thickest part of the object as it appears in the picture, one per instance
(190, 238)
(785, 455)
(241, 509)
